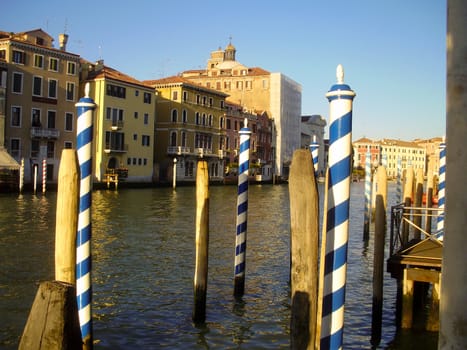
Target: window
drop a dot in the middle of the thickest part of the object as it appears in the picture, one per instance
(222, 104)
(146, 118)
(16, 116)
(70, 91)
(114, 141)
(38, 61)
(197, 118)
(173, 139)
(147, 97)
(135, 137)
(15, 150)
(136, 115)
(36, 118)
(210, 101)
(68, 144)
(40, 41)
(174, 116)
(183, 135)
(53, 88)
(116, 91)
(53, 64)
(204, 100)
(184, 116)
(3, 54)
(198, 99)
(136, 93)
(50, 149)
(145, 140)
(185, 96)
(51, 119)
(174, 95)
(19, 57)
(71, 68)
(17, 83)
(34, 148)
(228, 124)
(37, 86)
(210, 120)
(221, 122)
(68, 121)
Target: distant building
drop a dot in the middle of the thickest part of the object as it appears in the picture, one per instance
(123, 124)
(431, 147)
(312, 130)
(190, 125)
(39, 101)
(387, 152)
(256, 89)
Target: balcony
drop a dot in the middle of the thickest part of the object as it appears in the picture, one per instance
(178, 150)
(117, 124)
(37, 132)
(115, 148)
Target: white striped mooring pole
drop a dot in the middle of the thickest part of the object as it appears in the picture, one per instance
(367, 214)
(85, 107)
(242, 210)
(340, 98)
(314, 149)
(44, 174)
(441, 189)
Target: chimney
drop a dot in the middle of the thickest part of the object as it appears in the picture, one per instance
(62, 40)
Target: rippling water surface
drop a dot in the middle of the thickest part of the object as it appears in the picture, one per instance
(143, 267)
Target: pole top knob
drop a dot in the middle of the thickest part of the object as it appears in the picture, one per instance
(340, 74)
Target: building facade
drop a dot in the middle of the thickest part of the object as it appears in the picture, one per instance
(312, 129)
(190, 125)
(41, 92)
(123, 140)
(257, 89)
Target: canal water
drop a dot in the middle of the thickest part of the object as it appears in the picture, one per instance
(143, 267)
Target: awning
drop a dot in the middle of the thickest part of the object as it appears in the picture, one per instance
(7, 161)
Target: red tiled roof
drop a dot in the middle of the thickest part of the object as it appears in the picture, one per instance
(111, 73)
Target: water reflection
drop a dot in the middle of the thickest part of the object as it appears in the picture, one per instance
(143, 267)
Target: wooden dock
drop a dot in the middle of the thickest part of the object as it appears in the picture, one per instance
(417, 268)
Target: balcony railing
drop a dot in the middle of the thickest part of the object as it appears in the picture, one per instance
(115, 148)
(117, 124)
(44, 133)
(179, 150)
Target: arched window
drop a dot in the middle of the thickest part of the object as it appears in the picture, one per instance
(184, 116)
(183, 139)
(210, 119)
(221, 122)
(174, 115)
(173, 138)
(197, 118)
(204, 118)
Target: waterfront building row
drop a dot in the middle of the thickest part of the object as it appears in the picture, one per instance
(140, 128)
(418, 154)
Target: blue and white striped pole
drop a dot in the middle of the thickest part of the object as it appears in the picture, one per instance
(366, 223)
(314, 148)
(85, 108)
(441, 190)
(340, 98)
(399, 181)
(242, 210)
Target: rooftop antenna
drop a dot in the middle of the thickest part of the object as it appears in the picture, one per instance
(66, 26)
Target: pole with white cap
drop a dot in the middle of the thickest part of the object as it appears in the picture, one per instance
(85, 107)
(340, 98)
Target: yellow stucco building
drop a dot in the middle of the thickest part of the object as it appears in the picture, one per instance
(123, 139)
(190, 124)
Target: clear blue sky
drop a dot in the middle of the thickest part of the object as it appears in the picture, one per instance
(393, 52)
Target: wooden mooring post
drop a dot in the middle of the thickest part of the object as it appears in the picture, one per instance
(378, 254)
(53, 320)
(202, 242)
(304, 224)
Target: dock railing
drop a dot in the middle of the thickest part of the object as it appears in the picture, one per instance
(403, 224)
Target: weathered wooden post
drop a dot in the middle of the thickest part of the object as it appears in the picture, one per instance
(304, 225)
(202, 242)
(417, 213)
(66, 222)
(340, 99)
(408, 185)
(429, 201)
(378, 255)
(53, 322)
(35, 179)
(453, 305)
